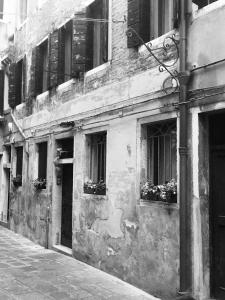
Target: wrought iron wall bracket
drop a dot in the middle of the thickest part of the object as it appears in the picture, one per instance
(162, 66)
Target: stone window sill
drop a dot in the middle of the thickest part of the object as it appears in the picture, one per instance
(65, 84)
(156, 42)
(42, 96)
(95, 197)
(144, 203)
(97, 69)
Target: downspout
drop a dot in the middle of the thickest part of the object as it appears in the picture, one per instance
(185, 204)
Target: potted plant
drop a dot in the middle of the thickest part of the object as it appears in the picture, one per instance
(39, 184)
(17, 181)
(98, 188)
(165, 192)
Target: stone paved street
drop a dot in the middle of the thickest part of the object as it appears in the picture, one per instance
(28, 271)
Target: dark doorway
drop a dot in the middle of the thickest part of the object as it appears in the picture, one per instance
(67, 191)
(217, 192)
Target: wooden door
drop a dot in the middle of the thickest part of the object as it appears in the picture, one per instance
(218, 223)
(67, 191)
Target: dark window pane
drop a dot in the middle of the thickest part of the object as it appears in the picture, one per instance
(42, 160)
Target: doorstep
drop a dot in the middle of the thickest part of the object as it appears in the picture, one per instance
(62, 249)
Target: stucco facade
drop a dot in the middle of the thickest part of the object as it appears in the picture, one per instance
(118, 232)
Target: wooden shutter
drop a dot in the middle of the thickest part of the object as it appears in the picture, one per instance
(12, 85)
(104, 31)
(53, 59)
(24, 78)
(133, 22)
(61, 62)
(2, 77)
(79, 55)
(35, 84)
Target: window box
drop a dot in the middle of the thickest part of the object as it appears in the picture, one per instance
(165, 192)
(95, 188)
(17, 181)
(39, 184)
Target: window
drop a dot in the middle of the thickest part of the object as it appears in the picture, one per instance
(151, 19)
(202, 3)
(2, 90)
(42, 161)
(22, 10)
(98, 33)
(97, 156)
(161, 152)
(1, 8)
(19, 165)
(65, 148)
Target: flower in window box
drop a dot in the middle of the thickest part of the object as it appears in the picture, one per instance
(95, 188)
(165, 192)
(17, 181)
(39, 184)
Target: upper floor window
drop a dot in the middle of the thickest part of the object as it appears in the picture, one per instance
(97, 39)
(202, 3)
(1, 8)
(151, 19)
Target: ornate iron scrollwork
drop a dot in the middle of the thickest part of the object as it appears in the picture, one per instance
(168, 43)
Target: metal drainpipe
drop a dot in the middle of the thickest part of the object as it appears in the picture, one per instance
(185, 205)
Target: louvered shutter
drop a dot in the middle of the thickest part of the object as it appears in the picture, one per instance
(104, 31)
(32, 87)
(133, 22)
(176, 13)
(61, 63)
(35, 84)
(53, 59)
(2, 77)
(79, 55)
(12, 85)
(24, 78)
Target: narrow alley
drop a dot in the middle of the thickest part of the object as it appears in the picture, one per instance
(28, 271)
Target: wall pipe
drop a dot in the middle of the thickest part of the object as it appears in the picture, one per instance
(185, 205)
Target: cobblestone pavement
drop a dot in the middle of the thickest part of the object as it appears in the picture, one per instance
(30, 272)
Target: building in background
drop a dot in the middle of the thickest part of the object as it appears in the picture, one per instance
(97, 131)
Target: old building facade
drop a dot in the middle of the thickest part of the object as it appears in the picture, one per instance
(89, 114)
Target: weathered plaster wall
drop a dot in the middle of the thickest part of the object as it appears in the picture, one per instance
(136, 242)
(206, 29)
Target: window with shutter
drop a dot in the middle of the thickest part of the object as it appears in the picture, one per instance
(97, 39)
(41, 68)
(151, 19)
(2, 76)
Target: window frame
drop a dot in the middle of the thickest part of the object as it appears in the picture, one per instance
(93, 164)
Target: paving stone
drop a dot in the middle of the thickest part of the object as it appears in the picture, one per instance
(28, 271)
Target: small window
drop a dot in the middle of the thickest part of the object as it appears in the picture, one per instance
(42, 162)
(65, 148)
(98, 33)
(96, 154)
(161, 152)
(160, 162)
(19, 166)
(202, 3)
(1, 8)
